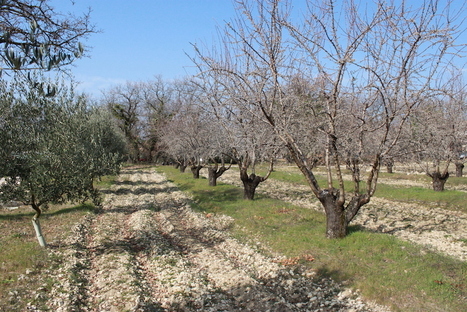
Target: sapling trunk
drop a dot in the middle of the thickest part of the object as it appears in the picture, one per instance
(37, 227)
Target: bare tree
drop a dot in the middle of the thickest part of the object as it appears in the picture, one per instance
(157, 98)
(254, 144)
(366, 70)
(456, 104)
(437, 133)
(126, 104)
(187, 135)
(249, 139)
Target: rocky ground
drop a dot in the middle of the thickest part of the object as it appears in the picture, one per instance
(435, 228)
(147, 250)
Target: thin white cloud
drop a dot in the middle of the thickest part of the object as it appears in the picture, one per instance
(95, 85)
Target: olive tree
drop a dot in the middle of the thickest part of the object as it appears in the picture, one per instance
(33, 35)
(53, 148)
(367, 69)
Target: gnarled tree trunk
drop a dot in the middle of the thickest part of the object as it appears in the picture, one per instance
(195, 171)
(459, 169)
(390, 166)
(438, 180)
(338, 215)
(251, 182)
(336, 223)
(214, 172)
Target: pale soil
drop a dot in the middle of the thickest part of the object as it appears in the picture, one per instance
(435, 228)
(147, 250)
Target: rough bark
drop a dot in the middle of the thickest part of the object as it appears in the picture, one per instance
(338, 215)
(439, 180)
(214, 172)
(353, 207)
(251, 182)
(195, 171)
(336, 224)
(459, 169)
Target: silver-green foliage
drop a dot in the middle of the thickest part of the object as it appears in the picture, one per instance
(33, 35)
(53, 147)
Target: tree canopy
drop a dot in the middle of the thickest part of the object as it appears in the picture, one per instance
(53, 148)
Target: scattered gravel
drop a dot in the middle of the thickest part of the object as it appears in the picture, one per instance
(438, 229)
(147, 250)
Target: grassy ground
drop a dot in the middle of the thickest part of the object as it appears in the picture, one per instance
(385, 269)
(23, 263)
(449, 199)
(391, 272)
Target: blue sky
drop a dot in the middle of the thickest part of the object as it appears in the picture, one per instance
(141, 39)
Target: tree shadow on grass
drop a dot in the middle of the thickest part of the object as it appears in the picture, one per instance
(325, 272)
(82, 207)
(355, 228)
(219, 195)
(21, 215)
(138, 191)
(137, 183)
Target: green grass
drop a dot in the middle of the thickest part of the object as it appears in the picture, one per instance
(385, 269)
(105, 181)
(20, 251)
(449, 199)
(456, 181)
